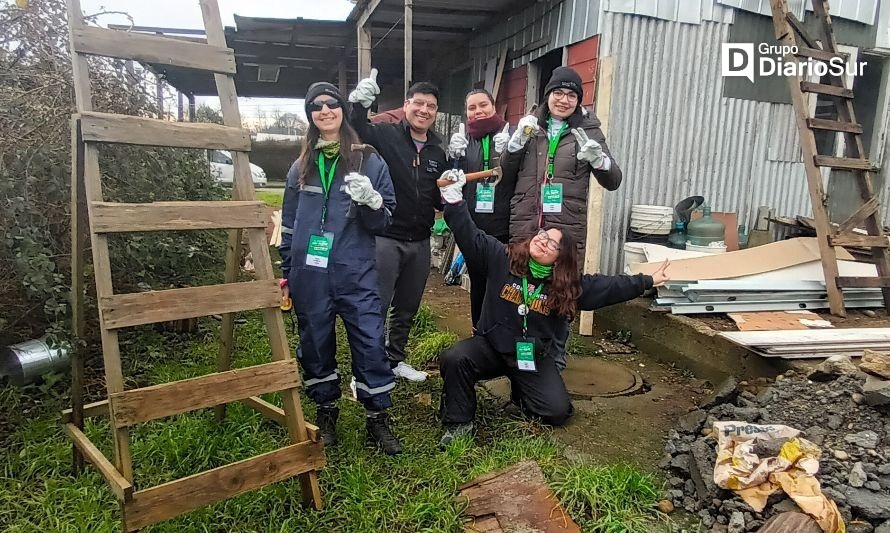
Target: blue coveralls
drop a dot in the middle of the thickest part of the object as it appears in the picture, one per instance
(348, 287)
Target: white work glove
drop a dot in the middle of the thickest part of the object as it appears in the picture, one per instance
(501, 139)
(457, 147)
(590, 150)
(359, 188)
(453, 192)
(526, 127)
(366, 91)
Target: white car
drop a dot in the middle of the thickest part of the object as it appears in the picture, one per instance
(223, 171)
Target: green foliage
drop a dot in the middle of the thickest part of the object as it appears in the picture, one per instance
(35, 165)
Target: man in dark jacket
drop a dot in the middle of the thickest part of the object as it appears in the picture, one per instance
(416, 159)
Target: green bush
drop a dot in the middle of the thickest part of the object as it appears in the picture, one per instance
(36, 102)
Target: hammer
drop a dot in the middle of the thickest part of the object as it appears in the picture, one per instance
(362, 149)
(481, 175)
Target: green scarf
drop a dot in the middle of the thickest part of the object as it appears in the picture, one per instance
(330, 149)
(538, 270)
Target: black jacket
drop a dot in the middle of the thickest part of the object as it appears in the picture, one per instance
(496, 224)
(413, 174)
(500, 322)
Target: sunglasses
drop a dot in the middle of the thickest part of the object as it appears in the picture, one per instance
(317, 106)
(550, 243)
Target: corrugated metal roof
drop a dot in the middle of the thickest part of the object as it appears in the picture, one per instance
(859, 10)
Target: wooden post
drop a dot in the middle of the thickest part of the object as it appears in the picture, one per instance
(192, 108)
(79, 236)
(341, 77)
(180, 107)
(409, 31)
(363, 41)
(593, 245)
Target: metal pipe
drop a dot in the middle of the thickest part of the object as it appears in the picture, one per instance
(27, 361)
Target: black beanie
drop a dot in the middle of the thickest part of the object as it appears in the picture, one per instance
(564, 78)
(317, 89)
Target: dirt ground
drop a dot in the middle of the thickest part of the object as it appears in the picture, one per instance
(626, 429)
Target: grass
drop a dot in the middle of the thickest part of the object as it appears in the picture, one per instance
(364, 490)
(272, 199)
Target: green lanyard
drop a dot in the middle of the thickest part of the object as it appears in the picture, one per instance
(485, 152)
(327, 179)
(528, 299)
(553, 143)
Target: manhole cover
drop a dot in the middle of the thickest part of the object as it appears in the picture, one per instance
(589, 377)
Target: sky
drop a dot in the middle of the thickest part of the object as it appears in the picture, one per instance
(187, 15)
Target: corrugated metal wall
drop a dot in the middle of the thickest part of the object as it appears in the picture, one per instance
(674, 135)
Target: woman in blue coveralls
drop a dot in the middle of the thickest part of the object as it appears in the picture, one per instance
(335, 202)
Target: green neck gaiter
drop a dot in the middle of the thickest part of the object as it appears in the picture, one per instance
(330, 149)
(538, 270)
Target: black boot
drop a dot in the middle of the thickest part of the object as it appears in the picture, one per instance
(326, 419)
(379, 432)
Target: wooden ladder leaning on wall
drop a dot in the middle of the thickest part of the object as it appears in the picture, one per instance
(791, 32)
(126, 408)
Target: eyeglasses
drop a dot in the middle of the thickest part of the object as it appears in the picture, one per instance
(421, 104)
(551, 243)
(559, 94)
(317, 106)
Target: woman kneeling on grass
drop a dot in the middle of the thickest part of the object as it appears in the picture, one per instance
(532, 293)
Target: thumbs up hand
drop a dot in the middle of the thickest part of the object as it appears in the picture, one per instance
(366, 91)
(501, 139)
(457, 147)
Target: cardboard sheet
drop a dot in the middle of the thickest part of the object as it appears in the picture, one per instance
(775, 320)
(766, 258)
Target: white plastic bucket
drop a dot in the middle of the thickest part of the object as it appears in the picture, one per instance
(713, 248)
(634, 252)
(651, 219)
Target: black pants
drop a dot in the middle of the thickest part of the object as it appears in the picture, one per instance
(477, 288)
(541, 394)
(402, 268)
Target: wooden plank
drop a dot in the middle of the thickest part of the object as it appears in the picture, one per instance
(811, 336)
(159, 401)
(855, 239)
(80, 225)
(171, 216)
(858, 217)
(499, 73)
(408, 38)
(843, 163)
(828, 90)
(798, 26)
(135, 309)
(227, 328)
(275, 414)
(153, 49)
(125, 129)
(834, 125)
(593, 239)
(172, 499)
(121, 487)
(820, 55)
(862, 282)
(244, 190)
(89, 410)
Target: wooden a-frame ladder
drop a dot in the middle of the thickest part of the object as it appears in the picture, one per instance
(126, 408)
(790, 32)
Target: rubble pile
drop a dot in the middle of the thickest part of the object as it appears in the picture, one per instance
(838, 407)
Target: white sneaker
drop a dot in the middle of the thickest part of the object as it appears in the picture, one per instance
(408, 372)
(353, 389)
